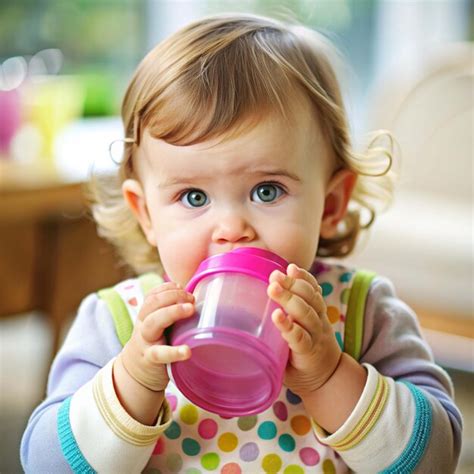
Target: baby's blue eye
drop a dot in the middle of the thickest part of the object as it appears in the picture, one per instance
(267, 192)
(194, 198)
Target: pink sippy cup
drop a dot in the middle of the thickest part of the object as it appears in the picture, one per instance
(238, 355)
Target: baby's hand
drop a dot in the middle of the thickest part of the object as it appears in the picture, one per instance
(146, 354)
(314, 351)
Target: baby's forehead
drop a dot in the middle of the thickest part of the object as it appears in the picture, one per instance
(270, 146)
(267, 136)
(298, 125)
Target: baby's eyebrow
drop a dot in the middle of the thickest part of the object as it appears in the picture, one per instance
(181, 180)
(184, 180)
(275, 172)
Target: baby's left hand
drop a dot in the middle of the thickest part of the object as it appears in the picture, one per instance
(314, 351)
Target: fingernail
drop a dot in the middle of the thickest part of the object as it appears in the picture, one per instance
(182, 351)
(280, 275)
(277, 288)
(187, 307)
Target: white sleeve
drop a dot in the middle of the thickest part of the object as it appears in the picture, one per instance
(405, 420)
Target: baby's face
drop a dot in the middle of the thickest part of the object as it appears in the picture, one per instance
(265, 188)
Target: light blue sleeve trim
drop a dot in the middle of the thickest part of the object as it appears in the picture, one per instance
(415, 448)
(68, 443)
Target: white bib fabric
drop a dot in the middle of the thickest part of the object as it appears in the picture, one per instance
(280, 439)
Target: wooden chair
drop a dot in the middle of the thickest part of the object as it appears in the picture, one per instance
(50, 254)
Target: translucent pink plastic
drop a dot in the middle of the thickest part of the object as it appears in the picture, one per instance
(238, 356)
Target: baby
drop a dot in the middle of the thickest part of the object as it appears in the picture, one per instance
(236, 136)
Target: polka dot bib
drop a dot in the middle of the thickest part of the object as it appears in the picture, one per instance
(280, 439)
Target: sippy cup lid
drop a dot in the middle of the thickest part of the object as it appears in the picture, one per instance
(253, 261)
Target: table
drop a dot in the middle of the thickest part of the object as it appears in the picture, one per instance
(50, 254)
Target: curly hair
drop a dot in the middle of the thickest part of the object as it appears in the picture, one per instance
(206, 81)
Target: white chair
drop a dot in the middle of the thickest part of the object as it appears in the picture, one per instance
(424, 241)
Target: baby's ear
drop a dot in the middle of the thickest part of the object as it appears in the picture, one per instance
(135, 198)
(338, 193)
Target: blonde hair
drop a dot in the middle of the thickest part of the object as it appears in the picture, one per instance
(207, 80)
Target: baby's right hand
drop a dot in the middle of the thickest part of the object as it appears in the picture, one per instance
(146, 354)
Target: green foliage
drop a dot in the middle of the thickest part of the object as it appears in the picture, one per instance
(102, 36)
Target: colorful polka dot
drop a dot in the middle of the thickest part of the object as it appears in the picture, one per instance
(328, 467)
(292, 397)
(286, 442)
(188, 414)
(207, 428)
(174, 463)
(267, 430)
(231, 468)
(172, 400)
(293, 469)
(249, 452)
(280, 410)
(190, 447)
(345, 295)
(192, 470)
(159, 446)
(300, 424)
(333, 314)
(339, 340)
(246, 423)
(210, 461)
(309, 456)
(320, 267)
(345, 277)
(271, 463)
(327, 288)
(227, 442)
(173, 431)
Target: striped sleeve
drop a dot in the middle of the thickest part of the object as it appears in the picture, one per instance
(388, 429)
(97, 435)
(406, 419)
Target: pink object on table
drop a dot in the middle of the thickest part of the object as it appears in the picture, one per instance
(238, 355)
(10, 118)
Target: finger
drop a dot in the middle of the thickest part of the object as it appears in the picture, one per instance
(149, 301)
(154, 324)
(164, 297)
(160, 354)
(299, 287)
(299, 283)
(297, 272)
(299, 340)
(294, 305)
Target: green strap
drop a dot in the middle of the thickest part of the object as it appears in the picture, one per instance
(122, 321)
(148, 281)
(118, 310)
(354, 327)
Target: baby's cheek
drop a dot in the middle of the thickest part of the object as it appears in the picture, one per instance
(179, 261)
(297, 246)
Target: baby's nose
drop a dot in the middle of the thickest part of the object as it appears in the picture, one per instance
(233, 228)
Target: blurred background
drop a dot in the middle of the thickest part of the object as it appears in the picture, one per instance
(64, 66)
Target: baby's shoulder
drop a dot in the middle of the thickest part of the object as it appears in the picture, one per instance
(124, 300)
(131, 291)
